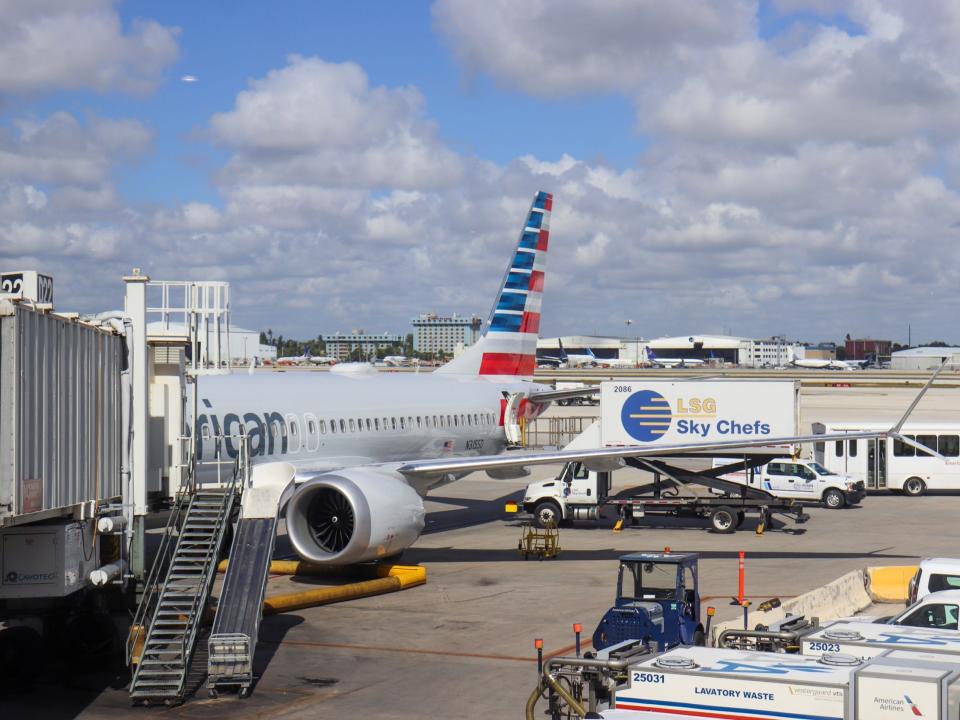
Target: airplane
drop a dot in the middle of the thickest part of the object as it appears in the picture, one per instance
(658, 362)
(367, 447)
(396, 361)
(307, 359)
(567, 360)
(823, 364)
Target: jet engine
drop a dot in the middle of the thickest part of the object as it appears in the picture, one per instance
(354, 515)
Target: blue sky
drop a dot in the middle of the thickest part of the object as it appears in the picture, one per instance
(758, 167)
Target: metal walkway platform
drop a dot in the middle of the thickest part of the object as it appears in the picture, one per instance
(233, 640)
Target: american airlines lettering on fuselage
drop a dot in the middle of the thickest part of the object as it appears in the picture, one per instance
(348, 430)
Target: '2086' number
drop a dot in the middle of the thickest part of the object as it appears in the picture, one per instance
(646, 677)
(623, 388)
(824, 647)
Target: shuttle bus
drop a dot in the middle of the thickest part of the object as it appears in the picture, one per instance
(889, 464)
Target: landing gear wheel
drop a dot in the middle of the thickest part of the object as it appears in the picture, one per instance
(546, 512)
(245, 692)
(741, 516)
(723, 520)
(834, 499)
(914, 487)
(212, 693)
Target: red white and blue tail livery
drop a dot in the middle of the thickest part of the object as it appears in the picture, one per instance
(509, 346)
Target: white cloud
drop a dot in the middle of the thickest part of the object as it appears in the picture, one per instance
(320, 124)
(79, 44)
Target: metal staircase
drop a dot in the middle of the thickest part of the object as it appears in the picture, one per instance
(164, 632)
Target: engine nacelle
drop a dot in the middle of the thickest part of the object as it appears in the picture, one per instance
(354, 515)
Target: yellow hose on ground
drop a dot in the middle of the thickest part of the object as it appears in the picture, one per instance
(378, 579)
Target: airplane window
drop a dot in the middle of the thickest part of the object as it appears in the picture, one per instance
(463, 420)
(469, 419)
(293, 428)
(311, 427)
(419, 419)
(376, 424)
(476, 419)
(343, 426)
(393, 423)
(450, 422)
(456, 421)
(323, 427)
(369, 424)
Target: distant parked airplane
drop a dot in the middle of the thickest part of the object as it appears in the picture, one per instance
(659, 362)
(569, 360)
(307, 359)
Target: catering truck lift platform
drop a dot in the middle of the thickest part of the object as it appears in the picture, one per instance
(578, 495)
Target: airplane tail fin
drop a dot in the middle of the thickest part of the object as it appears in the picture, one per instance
(509, 345)
(562, 353)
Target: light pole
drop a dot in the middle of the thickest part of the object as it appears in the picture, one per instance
(636, 347)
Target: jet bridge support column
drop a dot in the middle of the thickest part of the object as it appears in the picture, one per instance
(136, 310)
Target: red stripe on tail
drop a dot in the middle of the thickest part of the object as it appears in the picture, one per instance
(536, 281)
(507, 364)
(530, 323)
(543, 240)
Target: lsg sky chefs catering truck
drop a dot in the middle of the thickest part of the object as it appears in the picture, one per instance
(665, 413)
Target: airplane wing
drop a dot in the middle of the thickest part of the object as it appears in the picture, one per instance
(610, 458)
(551, 395)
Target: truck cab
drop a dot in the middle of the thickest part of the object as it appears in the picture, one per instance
(786, 477)
(576, 493)
(658, 600)
(934, 575)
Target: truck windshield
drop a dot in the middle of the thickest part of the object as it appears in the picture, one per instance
(818, 468)
(648, 581)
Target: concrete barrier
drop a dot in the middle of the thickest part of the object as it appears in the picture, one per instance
(889, 583)
(845, 596)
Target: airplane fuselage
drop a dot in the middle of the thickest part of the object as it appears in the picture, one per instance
(321, 422)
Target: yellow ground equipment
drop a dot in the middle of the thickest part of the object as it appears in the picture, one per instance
(541, 543)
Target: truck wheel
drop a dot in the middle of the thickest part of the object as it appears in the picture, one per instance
(914, 487)
(834, 499)
(723, 520)
(21, 657)
(547, 511)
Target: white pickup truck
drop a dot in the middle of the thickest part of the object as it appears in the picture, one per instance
(786, 477)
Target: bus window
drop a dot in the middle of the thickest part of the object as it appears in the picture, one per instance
(901, 449)
(839, 450)
(929, 441)
(949, 445)
(852, 447)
